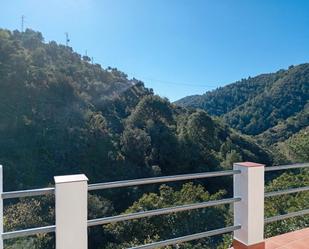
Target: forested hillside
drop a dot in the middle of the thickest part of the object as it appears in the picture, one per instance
(276, 101)
(225, 99)
(60, 114)
(274, 110)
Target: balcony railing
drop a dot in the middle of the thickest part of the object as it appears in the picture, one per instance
(71, 206)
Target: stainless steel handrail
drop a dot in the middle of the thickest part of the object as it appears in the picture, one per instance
(286, 216)
(188, 238)
(28, 232)
(27, 193)
(286, 191)
(144, 181)
(162, 179)
(106, 220)
(143, 214)
(150, 213)
(284, 167)
(119, 184)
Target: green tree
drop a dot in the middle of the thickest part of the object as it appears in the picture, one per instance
(299, 145)
(287, 203)
(172, 225)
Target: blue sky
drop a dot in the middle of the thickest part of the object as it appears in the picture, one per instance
(178, 48)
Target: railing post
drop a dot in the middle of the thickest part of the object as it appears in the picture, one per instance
(71, 212)
(249, 212)
(1, 207)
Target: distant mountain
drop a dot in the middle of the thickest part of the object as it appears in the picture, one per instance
(273, 106)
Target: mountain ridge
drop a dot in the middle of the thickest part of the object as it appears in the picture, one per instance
(256, 104)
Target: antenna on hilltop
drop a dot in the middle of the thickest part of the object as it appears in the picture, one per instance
(67, 40)
(22, 23)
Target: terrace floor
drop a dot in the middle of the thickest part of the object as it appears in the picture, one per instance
(293, 240)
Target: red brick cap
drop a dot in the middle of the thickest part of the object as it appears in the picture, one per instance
(250, 164)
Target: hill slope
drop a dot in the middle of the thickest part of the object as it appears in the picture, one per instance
(256, 105)
(59, 114)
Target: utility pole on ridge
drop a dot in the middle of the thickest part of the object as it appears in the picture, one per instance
(22, 23)
(67, 40)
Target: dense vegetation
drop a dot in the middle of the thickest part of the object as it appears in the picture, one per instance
(271, 107)
(287, 203)
(257, 104)
(226, 99)
(61, 114)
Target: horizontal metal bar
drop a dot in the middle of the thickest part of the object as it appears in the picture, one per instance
(291, 166)
(187, 238)
(287, 191)
(156, 212)
(286, 216)
(118, 184)
(28, 232)
(162, 179)
(27, 193)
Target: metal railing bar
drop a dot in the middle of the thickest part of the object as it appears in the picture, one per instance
(286, 216)
(156, 212)
(28, 232)
(287, 191)
(290, 166)
(187, 238)
(27, 193)
(119, 184)
(162, 179)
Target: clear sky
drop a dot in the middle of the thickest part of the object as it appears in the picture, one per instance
(177, 47)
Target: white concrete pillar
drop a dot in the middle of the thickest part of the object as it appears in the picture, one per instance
(71, 212)
(1, 206)
(249, 212)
